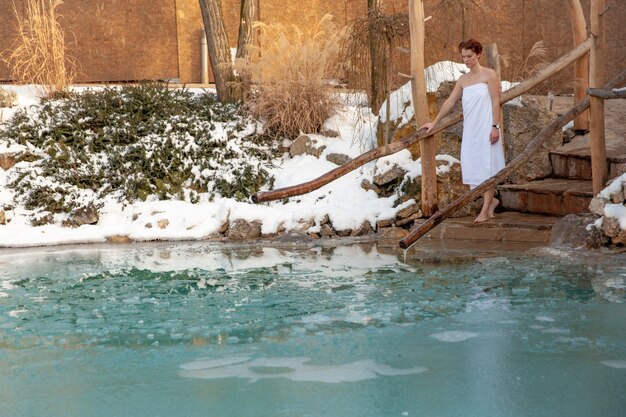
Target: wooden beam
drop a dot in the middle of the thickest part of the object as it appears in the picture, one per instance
(606, 94)
(398, 145)
(581, 66)
(428, 146)
(599, 167)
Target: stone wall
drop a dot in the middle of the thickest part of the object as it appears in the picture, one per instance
(117, 40)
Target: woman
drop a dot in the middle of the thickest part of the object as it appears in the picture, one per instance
(482, 155)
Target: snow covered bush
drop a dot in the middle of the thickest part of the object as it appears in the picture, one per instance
(133, 143)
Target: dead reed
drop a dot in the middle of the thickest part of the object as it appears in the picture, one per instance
(289, 73)
(39, 54)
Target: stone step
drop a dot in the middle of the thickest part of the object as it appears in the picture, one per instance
(553, 196)
(508, 226)
(573, 160)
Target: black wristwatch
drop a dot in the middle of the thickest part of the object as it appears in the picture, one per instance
(496, 126)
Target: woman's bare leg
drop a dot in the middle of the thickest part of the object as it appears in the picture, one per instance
(489, 205)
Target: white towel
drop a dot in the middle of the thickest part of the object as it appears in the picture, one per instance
(480, 160)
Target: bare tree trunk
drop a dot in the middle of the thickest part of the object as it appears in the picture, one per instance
(377, 59)
(250, 13)
(219, 51)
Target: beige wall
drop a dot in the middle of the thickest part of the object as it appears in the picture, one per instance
(118, 40)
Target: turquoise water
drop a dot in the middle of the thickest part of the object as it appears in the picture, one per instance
(202, 330)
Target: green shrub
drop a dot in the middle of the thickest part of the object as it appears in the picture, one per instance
(134, 142)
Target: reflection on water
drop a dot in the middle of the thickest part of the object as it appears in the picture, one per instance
(247, 331)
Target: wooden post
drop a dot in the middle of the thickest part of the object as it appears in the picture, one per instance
(596, 104)
(581, 67)
(420, 105)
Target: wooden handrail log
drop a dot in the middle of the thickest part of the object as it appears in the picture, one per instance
(606, 94)
(398, 145)
(532, 147)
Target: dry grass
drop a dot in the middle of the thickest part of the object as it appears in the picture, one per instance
(7, 98)
(289, 74)
(39, 54)
(533, 62)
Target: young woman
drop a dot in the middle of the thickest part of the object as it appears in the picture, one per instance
(482, 154)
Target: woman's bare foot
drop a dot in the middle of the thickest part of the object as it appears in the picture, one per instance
(492, 208)
(482, 218)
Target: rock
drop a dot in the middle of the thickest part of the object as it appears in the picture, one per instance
(163, 223)
(409, 219)
(596, 239)
(344, 233)
(136, 216)
(390, 175)
(3, 218)
(7, 98)
(571, 230)
(241, 230)
(521, 125)
(118, 239)
(224, 228)
(367, 185)
(329, 133)
(395, 233)
(7, 161)
(365, 229)
(83, 215)
(596, 206)
(408, 211)
(148, 225)
(620, 239)
(568, 135)
(305, 145)
(610, 226)
(337, 158)
(385, 223)
(326, 230)
(450, 187)
(617, 197)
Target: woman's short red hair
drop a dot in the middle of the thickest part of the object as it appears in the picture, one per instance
(471, 44)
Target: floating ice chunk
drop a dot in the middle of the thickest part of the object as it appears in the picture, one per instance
(17, 312)
(295, 369)
(555, 330)
(544, 318)
(453, 336)
(619, 364)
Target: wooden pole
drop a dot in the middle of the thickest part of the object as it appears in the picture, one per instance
(532, 147)
(398, 145)
(581, 67)
(428, 146)
(599, 168)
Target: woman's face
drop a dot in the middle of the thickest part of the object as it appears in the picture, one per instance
(470, 58)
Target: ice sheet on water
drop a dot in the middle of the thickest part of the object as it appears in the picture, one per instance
(292, 368)
(618, 364)
(453, 336)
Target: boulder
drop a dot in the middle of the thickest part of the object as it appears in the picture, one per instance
(3, 218)
(610, 226)
(367, 185)
(571, 230)
(304, 145)
(326, 230)
(241, 230)
(163, 223)
(395, 233)
(408, 211)
(521, 125)
(450, 187)
(118, 239)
